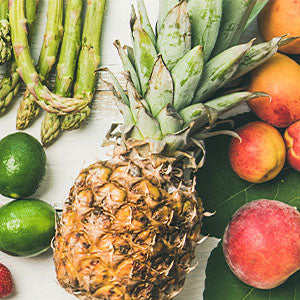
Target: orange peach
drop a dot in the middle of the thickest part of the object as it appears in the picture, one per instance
(292, 142)
(260, 154)
(261, 243)
(280, 17)
(279, 77)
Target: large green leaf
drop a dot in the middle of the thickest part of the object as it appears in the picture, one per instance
(223, 192)
(221, 283)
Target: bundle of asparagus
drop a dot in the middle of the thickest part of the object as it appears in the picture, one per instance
(89, 59)
(28, 108)
(66, 66)
(67, 96)
(9, 85)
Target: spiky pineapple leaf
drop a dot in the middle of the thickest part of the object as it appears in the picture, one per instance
(223, 192)
(259, 5)
(221, 283)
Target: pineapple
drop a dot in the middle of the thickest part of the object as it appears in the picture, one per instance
(130, 225)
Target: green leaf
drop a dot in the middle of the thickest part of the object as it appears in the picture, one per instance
(174, 37)
(259, 5)
(221, 283)
(224, 192)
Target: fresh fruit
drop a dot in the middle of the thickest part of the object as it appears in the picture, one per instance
(281, 17)
(10, 82)
(260, 154)
(28, 108)
(262, 243)
(22, 165)
(130, 226)
(292, 142)
(27, 227)
(6, 282)
(279, 78)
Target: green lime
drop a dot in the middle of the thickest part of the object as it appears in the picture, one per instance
(22, 165)
(27, 227)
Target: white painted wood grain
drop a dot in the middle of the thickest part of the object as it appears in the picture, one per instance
(35, 277)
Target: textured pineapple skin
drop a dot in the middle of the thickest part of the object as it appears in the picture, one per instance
(128, 231)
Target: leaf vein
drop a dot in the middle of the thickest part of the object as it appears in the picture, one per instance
(248, 294)
(276, 192)
(293, 200)
(235, 286)
(235, 195)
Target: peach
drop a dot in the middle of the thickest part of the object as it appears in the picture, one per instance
(261, 243)
(292, 142)
(279, 77)
(280, 17)
(260, 154)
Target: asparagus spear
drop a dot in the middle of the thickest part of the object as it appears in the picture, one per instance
(10, 84)
(65, 67)
(88, 63)
(46, 99)
(28, 109)
(5, 40)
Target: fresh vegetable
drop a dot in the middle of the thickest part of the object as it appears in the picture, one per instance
(279, 78)
(66, 66)
(143, 202)
(47, 100)
(22, 165)
(9, 86)
(28, 108)
(10, 82)
(33, 227)
(262, 243)
(5, 39)
(6, 282)
(258, 155)
(88, 62)
(281, 17)
(292, 142)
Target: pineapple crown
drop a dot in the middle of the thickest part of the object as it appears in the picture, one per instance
(173, 75)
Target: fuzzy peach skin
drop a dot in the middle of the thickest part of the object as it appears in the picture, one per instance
(260, 154)
(279, 77)
(280, 17)
(292, 142)
(261, 243)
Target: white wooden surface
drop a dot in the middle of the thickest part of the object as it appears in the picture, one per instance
(35, 277)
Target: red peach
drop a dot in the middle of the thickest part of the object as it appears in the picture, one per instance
(261, 243)
(292, 142)
(260, 155)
